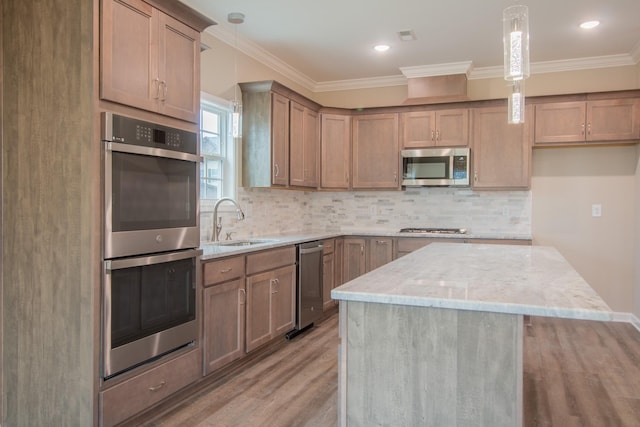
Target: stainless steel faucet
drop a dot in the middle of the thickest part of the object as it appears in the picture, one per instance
(217, 224)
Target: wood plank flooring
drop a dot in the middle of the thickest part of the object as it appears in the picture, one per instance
(576, 373)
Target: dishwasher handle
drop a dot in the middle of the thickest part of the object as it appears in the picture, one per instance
(311, 250)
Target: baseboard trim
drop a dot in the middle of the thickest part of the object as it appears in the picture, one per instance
(628, 318)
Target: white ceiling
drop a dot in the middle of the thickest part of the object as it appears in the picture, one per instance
(327, 44)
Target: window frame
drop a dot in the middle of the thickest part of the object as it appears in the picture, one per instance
(229, 149)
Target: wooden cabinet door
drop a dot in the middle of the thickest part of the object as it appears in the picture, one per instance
(338, 259)
(283, 305)
(354, 264)
(304, 143)
(376, 154)
(279, 140)
(296, 144)
(379, 252)
(128, 65)
(224, 324)
(501, 151)
(178, 69)
(335, 146)
(613, 120)
(258, 327)
(327, 280)
(559, 122)
(418, 129)
(452, 128)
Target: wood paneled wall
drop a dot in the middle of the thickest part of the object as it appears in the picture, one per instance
(50, 178)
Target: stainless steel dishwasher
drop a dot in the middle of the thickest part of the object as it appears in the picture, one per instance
(309, 286)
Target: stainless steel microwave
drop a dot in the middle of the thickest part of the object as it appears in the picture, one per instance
(445, 167)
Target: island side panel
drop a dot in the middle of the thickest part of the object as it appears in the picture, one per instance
(410, 365)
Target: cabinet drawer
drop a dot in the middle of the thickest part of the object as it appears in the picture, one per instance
(268, 260)
(138, 393)
(224, 269)
(328, 246)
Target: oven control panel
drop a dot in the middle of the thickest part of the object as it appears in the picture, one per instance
(127, 130)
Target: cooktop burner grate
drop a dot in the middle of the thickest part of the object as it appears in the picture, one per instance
(434, 230)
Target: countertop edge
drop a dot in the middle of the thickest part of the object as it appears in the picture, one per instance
(212, 252)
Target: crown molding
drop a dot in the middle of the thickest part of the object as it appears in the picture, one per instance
(259, 54)
(466, 67)
(367, 83)
(437, 69)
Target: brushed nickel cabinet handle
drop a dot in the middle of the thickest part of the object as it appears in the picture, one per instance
(382, 242)
(242, 294)
(276, 169)
(589, 129)
(158, 387)
(438, 135)
(164, 90)
(582, 131)
(433, 135)
(156, 88)
(226, 270)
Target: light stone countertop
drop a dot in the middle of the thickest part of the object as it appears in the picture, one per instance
(212, 251)
(529, 280)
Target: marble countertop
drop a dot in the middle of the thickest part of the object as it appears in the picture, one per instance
(530, 280)
(212, 250)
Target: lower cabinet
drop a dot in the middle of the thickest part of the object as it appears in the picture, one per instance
(224, 324)
(224, 299)
(134, 395)
(354, 260)
(379, 252)
(328, 274)
(270, 305)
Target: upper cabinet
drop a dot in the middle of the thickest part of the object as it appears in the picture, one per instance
(280, 137)
(587, 121)
(304, 142)
(376, 152)
(335, 151)
(501, 151)
(429, 128)
(149, 60)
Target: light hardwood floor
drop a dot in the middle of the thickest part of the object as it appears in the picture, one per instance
(576, 373)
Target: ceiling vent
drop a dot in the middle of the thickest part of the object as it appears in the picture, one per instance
(407, 35)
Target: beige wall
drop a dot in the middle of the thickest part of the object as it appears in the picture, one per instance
(565, 182)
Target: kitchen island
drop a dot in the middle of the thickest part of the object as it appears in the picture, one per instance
(435, 337)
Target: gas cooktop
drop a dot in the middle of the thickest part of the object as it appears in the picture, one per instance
(434, 230)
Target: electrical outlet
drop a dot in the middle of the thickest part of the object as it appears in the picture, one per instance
(596, 211)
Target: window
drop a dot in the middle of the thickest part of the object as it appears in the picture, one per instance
(217, 170)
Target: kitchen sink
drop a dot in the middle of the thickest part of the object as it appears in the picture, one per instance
(244, 242)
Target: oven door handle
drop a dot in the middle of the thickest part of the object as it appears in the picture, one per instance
(148, 151)
(117, 264)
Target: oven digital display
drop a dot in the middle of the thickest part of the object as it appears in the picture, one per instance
(159, 136)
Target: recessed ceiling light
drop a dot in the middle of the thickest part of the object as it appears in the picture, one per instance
(381, 47)
(587, 25)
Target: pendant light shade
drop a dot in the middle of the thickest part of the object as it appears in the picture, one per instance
(516, 103)
(236, 18)
(515, 38)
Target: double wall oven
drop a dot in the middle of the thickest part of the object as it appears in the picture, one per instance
(151, 238)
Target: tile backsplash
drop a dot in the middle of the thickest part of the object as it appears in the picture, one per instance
(275, 211)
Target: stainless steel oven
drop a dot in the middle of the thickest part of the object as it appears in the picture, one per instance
(149, 307)
(150, 187)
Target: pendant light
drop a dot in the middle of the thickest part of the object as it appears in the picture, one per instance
(236, 18)
(516, 103)
(515, 40)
